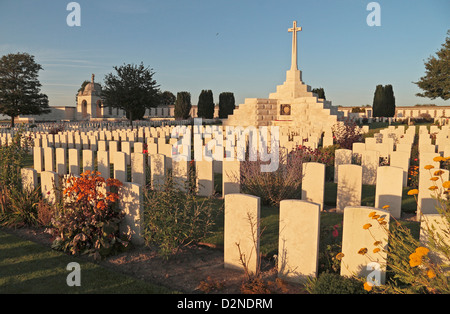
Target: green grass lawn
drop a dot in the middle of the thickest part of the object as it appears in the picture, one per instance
(27, 267)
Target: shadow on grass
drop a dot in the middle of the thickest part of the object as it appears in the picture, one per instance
(27, 267)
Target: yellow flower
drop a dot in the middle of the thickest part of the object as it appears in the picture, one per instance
(434, 178)
(362, 251)
(377, 243)
(431, 274)
(438, 158)
(428, 167)
(438, 173)
(339, 256)
(421, 251)
(413, 192)
(376, 250)
(375, 216)
(446, 185)
(367, 286)
(415, 260)
(386, 206)
(432, 188)
(372, 214)
(367, 226)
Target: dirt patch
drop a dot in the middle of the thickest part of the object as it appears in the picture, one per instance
(194, 269)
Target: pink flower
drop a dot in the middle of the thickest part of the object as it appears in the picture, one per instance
(335, 231)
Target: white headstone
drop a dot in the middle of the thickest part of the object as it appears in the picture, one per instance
(103, 165)
(401, 159)
(138, 168)
(38, 159)
(49, 180)
(349, 187)
(389, 189)
(313, 183)
(427, 199)
(180, 174)
(120, 166)
(74, 161)
(157, 170)
(231, 172)
(88, 160)
(61, 164)
(434, 228)
(370, 161)
(49, 159)
(298, 246)
(205, 177)
(131, 203)
(29, 178)
(359, 236)
(342, 157)
(241, 231)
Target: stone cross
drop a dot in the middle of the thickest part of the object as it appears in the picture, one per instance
(294, 31)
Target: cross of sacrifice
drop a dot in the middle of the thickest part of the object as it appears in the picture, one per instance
(294, 31)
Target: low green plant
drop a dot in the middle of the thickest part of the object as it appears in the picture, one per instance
(17, 205)
(11, 157)
(23, 207)
(174, 219)
(331, 283)
(330, 246)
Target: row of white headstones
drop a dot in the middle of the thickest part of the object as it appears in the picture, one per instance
(299, 219)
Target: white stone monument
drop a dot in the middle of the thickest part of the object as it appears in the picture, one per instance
(293, 105)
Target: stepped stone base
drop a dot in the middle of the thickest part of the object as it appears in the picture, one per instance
(293, 106)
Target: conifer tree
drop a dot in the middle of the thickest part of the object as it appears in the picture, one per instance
(389, 101)
(226, 104)
(183, 105)
(205, 106)
(320, 92)
(378, 101)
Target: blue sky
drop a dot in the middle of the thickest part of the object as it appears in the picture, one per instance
(239, 46)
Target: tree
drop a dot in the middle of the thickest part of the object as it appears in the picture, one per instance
(358, 110)
(20, 89)
(320, 92)
(226, 104)
(205, 106)
(436, 82)
(167, 98)
(183, 105)
(132, 89)
(378, 101)
(384, 101)
(389, 101)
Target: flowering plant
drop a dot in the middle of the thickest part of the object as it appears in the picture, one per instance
(347, 133)
(87, 221)
(419, 265)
